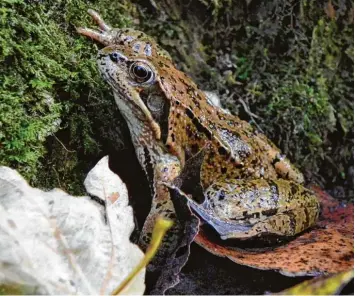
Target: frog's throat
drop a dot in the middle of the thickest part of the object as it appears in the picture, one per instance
(135, 98)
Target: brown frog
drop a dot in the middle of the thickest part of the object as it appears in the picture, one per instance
(251, 189)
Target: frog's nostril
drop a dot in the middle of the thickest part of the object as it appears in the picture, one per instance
(114, 57)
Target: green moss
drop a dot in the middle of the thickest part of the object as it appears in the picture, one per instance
(48, 78)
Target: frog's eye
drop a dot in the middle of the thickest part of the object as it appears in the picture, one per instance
(141, 72)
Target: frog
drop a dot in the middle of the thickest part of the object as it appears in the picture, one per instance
(250, 188)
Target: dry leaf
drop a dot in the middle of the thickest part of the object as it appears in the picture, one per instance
(54, 243)
(327, 248)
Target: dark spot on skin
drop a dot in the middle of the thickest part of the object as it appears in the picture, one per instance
(197, 105)
(221, 195)
(293, 221)
(173, 137)
(270, 212)
(189, 113)
(307, 217)
(347, 257)
(294, 188)
(303, 261)
(188, 132)
(194, 148)
(274, 189)
(177, 102)
(222, 151)
(149, 168)
(201, 128)
(184, 82)
(172, 215)
(254, 161)
(190, 89)
(100, 56)
(275, 160)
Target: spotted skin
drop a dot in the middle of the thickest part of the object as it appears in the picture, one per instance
(170, 120)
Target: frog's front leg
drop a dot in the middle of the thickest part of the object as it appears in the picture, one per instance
(164, 171)
(250, 208)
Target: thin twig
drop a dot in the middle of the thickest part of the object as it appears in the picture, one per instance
(252, 115)
(70, 151)
(247, 110)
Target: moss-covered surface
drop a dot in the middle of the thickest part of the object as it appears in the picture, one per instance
(285, 66)
(55, 108)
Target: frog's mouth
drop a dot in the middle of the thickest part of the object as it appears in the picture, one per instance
(132, 100)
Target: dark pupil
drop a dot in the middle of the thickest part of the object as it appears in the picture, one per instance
(140, 72)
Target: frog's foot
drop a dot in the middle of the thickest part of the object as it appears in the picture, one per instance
(103, 35)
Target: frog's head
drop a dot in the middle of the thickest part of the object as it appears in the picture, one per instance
(150, 92)
(126, 63)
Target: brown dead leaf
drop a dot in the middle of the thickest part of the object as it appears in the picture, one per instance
(329, 10)
(327, 248)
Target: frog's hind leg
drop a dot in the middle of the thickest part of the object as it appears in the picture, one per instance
(283, 225)
(250, 208)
